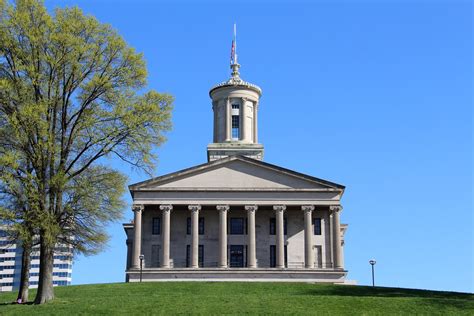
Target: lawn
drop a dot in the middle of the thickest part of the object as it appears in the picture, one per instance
(242, 298)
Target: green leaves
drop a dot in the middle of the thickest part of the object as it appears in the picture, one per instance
(71, 93)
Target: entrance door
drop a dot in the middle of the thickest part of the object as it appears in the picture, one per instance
(236, 256)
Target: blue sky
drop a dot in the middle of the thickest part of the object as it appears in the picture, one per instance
(375, 95)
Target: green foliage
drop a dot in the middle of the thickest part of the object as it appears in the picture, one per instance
(218, 298)
(69, 97)
(71, 94)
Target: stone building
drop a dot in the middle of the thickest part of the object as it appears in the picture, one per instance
(236, 217)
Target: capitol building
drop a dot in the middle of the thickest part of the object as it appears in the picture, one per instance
(236, 217)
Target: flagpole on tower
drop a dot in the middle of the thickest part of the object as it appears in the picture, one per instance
(234, 65)
(235, 39)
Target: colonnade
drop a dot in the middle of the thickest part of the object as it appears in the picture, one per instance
(251, 235)
(253, 138)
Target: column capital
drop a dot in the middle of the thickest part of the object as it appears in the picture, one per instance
(335, 208)
(166, 207)
(307, 208)
(222, 208)
(138, 207)
(194, 208)
(251, 208)
(279, 208)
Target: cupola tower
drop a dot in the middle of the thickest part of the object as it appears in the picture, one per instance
(235, 106)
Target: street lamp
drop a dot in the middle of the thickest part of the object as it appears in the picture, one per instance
(141, 266)
(372, 263)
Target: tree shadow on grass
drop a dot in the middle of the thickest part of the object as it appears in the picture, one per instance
(350, 290)
(457, 300)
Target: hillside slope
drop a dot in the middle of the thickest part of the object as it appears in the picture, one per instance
(239, 298)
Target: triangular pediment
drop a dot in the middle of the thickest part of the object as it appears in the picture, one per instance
(236, 173)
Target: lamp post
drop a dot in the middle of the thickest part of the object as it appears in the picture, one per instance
(141, 266)
(372, 263)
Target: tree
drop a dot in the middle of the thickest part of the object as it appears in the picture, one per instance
(17, 210)
(71, 95)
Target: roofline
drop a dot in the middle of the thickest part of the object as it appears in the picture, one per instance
(244, 84)
(135, 186)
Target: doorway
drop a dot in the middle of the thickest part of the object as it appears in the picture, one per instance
(236, 256)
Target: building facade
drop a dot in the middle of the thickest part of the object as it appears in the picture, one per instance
(236, 217)
(10, 265)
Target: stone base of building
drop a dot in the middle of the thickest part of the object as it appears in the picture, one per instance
(216, 151)
(239, 275)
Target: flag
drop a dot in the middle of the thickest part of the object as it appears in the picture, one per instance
(233, 53)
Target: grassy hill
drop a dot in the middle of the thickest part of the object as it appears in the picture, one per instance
(240, 298)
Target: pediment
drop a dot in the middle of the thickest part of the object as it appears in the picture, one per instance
(236, 173)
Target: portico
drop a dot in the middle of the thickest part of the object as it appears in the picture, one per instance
(234, 215)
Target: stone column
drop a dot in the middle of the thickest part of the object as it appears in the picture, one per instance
(243, 110)
(215, 109)
(335, 209)
(165, 235)
(137, 234)
(222, 235)
(280, 235)
(228, 121)
(308, 236)
(251, 242)
(255, 123)
(195, 235)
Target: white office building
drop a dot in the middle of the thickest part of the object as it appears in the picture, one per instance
(10, 265)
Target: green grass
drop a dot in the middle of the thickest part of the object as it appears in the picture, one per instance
(241, 298)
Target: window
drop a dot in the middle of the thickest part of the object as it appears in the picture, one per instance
(156, 226)
(235, 106)
(235, 126)
(273, 256)
(273, 226)
(200, 256)
(317, 226)
(61, 266)
(236, 226)
(201, 226)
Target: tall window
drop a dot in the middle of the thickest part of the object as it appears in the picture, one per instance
(235, 126)
(236, 226)
(201, 226)
(273, 226)
(156, 226)
(200, 256)
(317, 226)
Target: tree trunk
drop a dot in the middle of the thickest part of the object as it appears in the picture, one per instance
(25, 273)
(45, 285)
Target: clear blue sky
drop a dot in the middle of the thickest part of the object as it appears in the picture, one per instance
(375, 95)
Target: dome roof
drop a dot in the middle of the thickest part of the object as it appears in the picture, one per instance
(236, 81)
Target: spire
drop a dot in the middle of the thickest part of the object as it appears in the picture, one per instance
(234, 65)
